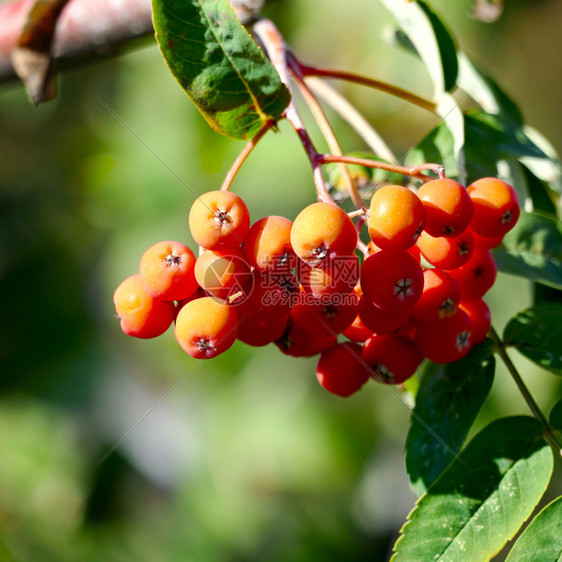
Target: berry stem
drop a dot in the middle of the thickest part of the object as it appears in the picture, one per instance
(533, 406)
(325, 127)
(371, 83)
(415, 172)
(350, 114)
(277, 51)
(241, 158)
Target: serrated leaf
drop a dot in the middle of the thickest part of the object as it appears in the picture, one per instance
(542, 539)
(448, 400)
(533, 249)
(219, 65)
(431, 40)
(537, 333)
(483, 498)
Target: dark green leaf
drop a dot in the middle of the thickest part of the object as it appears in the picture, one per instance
(448, 400)
(542, 539)
(431, 40)
(555, 418)
(533, 249)
(539, 192)
(491, 138)
(483, 498)
(537, 333)
(543, 294)
(218, 64)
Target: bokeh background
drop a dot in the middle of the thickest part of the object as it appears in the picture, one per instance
(116, 449)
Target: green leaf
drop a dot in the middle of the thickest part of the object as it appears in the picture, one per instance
(431, 40)
(451, 114)
(539, 192)
(542, 539)
(437, 146)
(533, 249)
(220, 67)
(483, 498)
(555, 418)
(448, 400)
(483, 90)
(537, 333)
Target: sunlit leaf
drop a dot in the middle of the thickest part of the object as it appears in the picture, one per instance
(448, 400)
(483, 498)
(218, 64)
(539, 192)
(542, 539)
(430, 39)
(533, 249)
(537, 333)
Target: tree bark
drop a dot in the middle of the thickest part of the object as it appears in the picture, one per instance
(86, 29)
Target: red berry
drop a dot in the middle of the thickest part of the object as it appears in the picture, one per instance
(341, 370)
(392, 359)
(496, 207)
(446, 340)
(440, 297)
(480, 319)
(476, 277)
(391, 280)
(447, 205)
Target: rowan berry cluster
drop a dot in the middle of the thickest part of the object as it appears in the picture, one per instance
(417, 293)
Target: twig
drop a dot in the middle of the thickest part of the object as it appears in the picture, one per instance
(415, 172)
(372, 83)
(533, 406)
(348, 112)
(276, 49)
(325, 127)
(241, 158)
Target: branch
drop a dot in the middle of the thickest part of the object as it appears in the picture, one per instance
(86, 29)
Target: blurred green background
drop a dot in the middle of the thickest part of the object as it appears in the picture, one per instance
(116, 449)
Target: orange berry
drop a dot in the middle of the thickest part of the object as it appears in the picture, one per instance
(446, 253)
(341, 370)
(447, 205)
(414, 251)
(480, 319)
(268, 243)
(440, 297)
(476, 277)
(446, 340)
(219, 219)
(222, 273)
(206, 327)
(392, 359)
(141, 315)
(167, 271)
(496, 207)
(396, 218)
(322, 231)
(391, 280)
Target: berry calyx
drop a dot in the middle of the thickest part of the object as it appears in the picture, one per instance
(219, 219)
(206, 327)
(322, 231)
